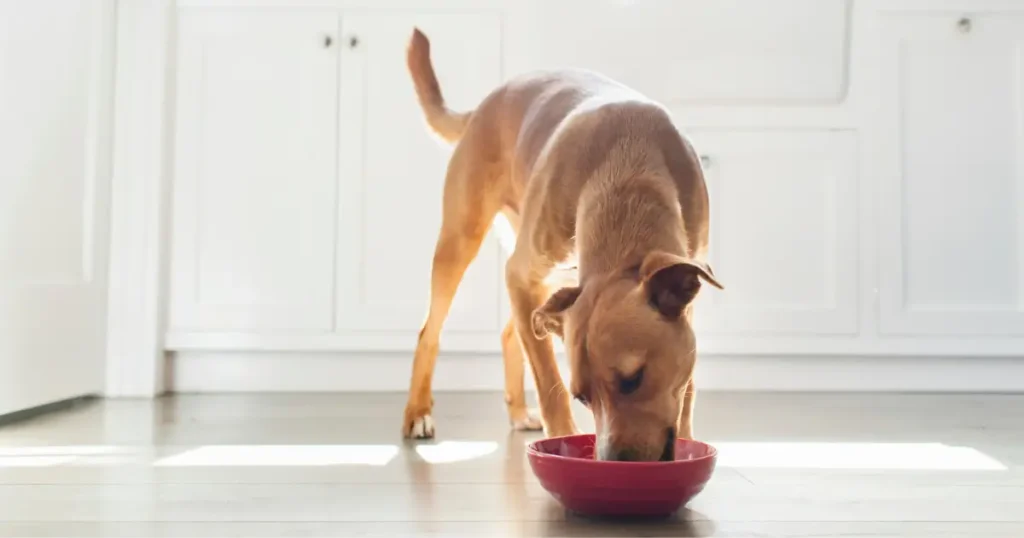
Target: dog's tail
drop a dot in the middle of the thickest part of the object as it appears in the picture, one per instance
(448, 124)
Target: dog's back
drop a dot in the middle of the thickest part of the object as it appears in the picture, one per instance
(571, 121)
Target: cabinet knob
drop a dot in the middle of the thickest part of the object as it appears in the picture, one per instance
(964, 24)
(353, 42)
(705, 161)
(328, 41)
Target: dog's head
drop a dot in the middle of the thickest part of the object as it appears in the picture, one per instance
(632, 351)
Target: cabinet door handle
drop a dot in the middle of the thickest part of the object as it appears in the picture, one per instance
(705, 161)
(353, 42)
(328, 41)
(964, 24)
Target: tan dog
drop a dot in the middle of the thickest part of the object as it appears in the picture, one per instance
(588, 173)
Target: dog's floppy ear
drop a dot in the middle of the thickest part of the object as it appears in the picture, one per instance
(548, 318)
(671, 282)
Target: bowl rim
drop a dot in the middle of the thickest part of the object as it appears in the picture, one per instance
(531, 450)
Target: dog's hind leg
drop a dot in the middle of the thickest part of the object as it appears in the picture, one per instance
(506, 227)
(453, 254)
(467, 215)
(515, 387)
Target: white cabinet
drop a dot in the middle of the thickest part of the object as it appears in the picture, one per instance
(255, 187)
(865, 165)
(950, 144)
(783, 231)
(56, 63)
(393, 169)
(705, 51)
(307, 188)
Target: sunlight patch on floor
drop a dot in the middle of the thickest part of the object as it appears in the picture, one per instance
(51, 456)
(860, 456)
(454, 451)
(281, 456)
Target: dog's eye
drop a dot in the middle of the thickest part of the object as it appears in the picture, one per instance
(628, 385)
(582, 399)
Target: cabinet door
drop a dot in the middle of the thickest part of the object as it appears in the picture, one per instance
(783, 232)
(255, 171)
(950, 161)
(707, 52)
(56, 62)
(393, 168)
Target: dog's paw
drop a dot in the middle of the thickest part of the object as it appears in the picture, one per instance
(527, 422)
(419, 428)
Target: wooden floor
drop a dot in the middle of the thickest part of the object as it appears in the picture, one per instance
(333, 465)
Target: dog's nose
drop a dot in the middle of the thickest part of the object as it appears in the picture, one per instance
(669, 452)
(625, 454)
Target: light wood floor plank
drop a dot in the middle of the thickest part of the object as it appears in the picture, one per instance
(792, 465)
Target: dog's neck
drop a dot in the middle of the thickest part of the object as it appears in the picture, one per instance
(619, 220)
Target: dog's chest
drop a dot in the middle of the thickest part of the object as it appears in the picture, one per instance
(570, 263)
(566, 273)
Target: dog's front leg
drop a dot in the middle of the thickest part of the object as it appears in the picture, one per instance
(684, 427)
(527, 294)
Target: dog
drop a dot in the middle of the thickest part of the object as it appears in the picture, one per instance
(593, 176)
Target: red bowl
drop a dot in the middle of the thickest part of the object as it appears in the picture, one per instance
(566, 468)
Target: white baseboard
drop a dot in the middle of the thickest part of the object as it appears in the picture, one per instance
(196, 371)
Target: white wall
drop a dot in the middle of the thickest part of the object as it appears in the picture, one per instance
(55, 105)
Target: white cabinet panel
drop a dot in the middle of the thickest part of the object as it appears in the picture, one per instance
(56, 66)
(706, 51)
(783, 231)
(392, 172)
(951, 197)
(255, 171)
